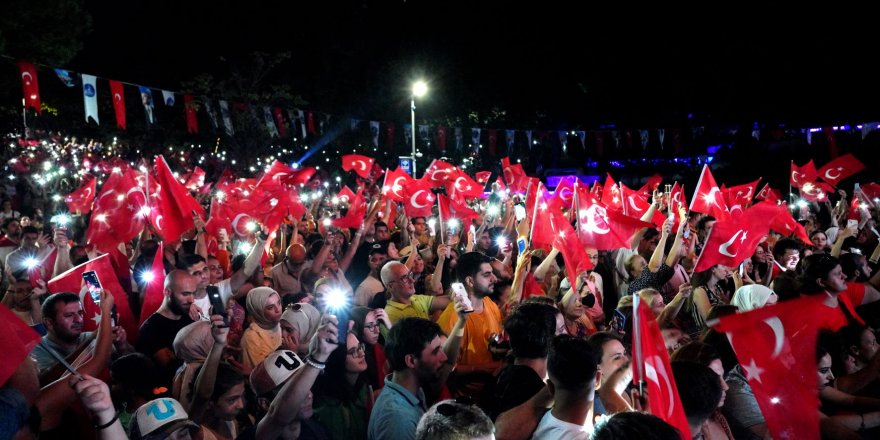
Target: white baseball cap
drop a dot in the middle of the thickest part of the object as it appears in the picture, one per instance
(274, 371)
(157, 419)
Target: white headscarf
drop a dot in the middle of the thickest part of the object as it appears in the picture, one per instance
(751, 297)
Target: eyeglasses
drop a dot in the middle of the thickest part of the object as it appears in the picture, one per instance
(409, 278)
(353, 352)
(371, 327)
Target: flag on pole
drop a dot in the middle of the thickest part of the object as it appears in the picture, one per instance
(30, 86)
(118, 102)
(192, 123)
(90, 97)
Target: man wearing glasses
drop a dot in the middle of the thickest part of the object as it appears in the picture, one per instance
(404, 302)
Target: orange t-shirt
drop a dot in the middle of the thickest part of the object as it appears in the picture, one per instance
(477, 331)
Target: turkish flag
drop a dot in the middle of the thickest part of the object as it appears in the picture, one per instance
(564, 192)
(173, 215)
(282, 125)
(730, 242)
(741, 195)
(803, 174)
(395, 182)
(840, 168)
(354, 218)
(493, 141)
(118, 94)
(360, 164)
(71, 281)
(16, 344)
(816, 191)
(460, 186)
(677, 201)
(780, 220)
(514, 175)
(483, 177)
(572, 250)
(768, 194)
(602, 228)
(80, 200)
(419, 198)
(30, 85)
(439, 172)
(119, 213)
(192, 122)
(635, 203)
(776, 348)
(651, 354)
(871, 190)
(441, 138)
(275, 196)
(154, 292)
(611, 196)
(651, 184)
(708, 198)
(453, 209)
(542, 232)
(345, 193)
(195, 179)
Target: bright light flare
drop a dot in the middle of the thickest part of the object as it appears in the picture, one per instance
(493, 210)
(419, 89)
(146, 277)
(336, 300)
(251, 226)
(453, 223)
(501, 242)
(31, 262)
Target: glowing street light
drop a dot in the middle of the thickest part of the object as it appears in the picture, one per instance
(419, 89)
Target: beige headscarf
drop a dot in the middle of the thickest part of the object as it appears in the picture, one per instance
(191, 345)
(305, 319)
(751, 297)
(256, 302)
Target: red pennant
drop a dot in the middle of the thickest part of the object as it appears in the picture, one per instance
(71, 281)
(441, 138)
(803, 174)
(776, 348)
(493, 141)
(360, 164)
(708, 198)
(419, 198)
(16, 344)
(310, 123)
(389, 135)
(840, 168)
(174, 214)
(278, 114)
(662, 389)
(192, 122)
(395, 182)
(118, 94)
(154, 292)
(30, 86)
(80, 200)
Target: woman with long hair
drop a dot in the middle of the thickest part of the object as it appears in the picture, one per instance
(710, 289)
(367, 328)
(341, 393)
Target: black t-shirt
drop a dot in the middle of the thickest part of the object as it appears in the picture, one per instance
(309, 430)
(516, 384)
(158, 332)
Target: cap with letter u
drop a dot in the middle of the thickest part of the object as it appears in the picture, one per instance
(158, 418)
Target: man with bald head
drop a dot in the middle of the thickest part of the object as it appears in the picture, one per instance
(285, 275)
(156, 335)
(404, 301)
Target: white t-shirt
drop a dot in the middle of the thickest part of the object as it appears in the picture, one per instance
(225, 288)
(553, 428)
(367, 290)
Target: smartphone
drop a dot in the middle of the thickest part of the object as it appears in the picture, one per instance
(93, 284)
(217, 307)
(687, 232)
(520, 212)
(521, 244)
(461, 296)
(852, 224)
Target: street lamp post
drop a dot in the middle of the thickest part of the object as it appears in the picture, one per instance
(419, 89)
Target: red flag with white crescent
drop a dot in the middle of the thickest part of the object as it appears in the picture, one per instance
(439, 172)
(30, 85)
(776, 348)
(564, 192)
(602, 228)
(816, 191)
(803, 174)
(651, 354)
(80, 200)
(419, 198)
(395, 182)
(730, 242)
(740, 195)
(118, 93)
(358, 163)
(354, 218)
(840, 168)
(708, 198)
(483, 177)
(461, 186)
(611, 196)
(154, 292)
(173, 215)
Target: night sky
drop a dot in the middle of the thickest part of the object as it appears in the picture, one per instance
(546, 66)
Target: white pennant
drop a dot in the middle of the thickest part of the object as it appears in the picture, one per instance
(90, 97)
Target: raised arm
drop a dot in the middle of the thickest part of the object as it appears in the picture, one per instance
(251, 264)
(207, 377)
(675, 252)
(657, 256)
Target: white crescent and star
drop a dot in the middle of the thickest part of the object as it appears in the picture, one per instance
(396, 186)
(632, 204)
(117, 97)
(593, 213)
(414, 197)
(723, 247)
(713, 195)
(836, 176)
(235, 224)
(27, 77)
(795, 178)
(159, 222)
(563, 196)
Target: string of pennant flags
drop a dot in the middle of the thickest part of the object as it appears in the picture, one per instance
(298, 123)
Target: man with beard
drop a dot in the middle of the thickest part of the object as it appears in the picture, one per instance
(477, 362)
(156, 335)
(12, 238)
(414, 348)
(63, 318)
(198, 267)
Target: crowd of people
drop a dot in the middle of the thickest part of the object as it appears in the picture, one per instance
(408, 328)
